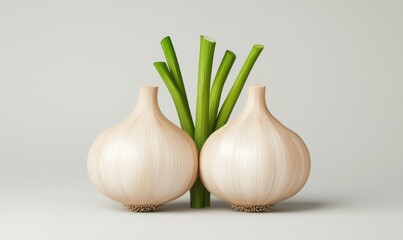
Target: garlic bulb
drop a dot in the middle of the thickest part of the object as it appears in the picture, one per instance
(145, 160)
(254, 161)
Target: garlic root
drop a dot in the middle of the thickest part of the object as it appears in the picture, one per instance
(143, 208)
(252, 208)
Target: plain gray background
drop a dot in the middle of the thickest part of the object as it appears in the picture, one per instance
(71, 69)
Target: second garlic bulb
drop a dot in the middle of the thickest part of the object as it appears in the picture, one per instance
(254, 161)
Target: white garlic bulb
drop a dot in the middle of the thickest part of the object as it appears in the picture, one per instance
(145, 160)
(254, 161)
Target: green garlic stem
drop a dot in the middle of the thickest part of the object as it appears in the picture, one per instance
(198, 191)
(182, 107)
(236, 89)
(218, 84)
(173, 65)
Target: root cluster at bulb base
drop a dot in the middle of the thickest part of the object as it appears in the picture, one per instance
(143, 208)
(252, 208)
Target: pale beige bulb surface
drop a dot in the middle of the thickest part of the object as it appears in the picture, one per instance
(254, 161)
(145, 160)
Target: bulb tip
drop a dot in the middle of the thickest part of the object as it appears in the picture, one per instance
(256, 87)
(149, 86)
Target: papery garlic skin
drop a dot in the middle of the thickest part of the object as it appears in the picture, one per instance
(254, 161)
(145, 160)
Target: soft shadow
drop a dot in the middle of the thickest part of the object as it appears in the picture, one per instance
(217, 205)
(282, 207)
(170, 207)
(174, 206)
(113, 206)
(181, 206)
(302, 206)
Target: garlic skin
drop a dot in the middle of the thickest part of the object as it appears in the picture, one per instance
(145, 160)
(254, 161)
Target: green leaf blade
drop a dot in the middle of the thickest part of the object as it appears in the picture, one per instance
(216, 90)
(182, 108)
(207, 47)
(233, 95)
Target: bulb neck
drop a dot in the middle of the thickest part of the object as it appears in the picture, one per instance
(148, 99)
(256, 99)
